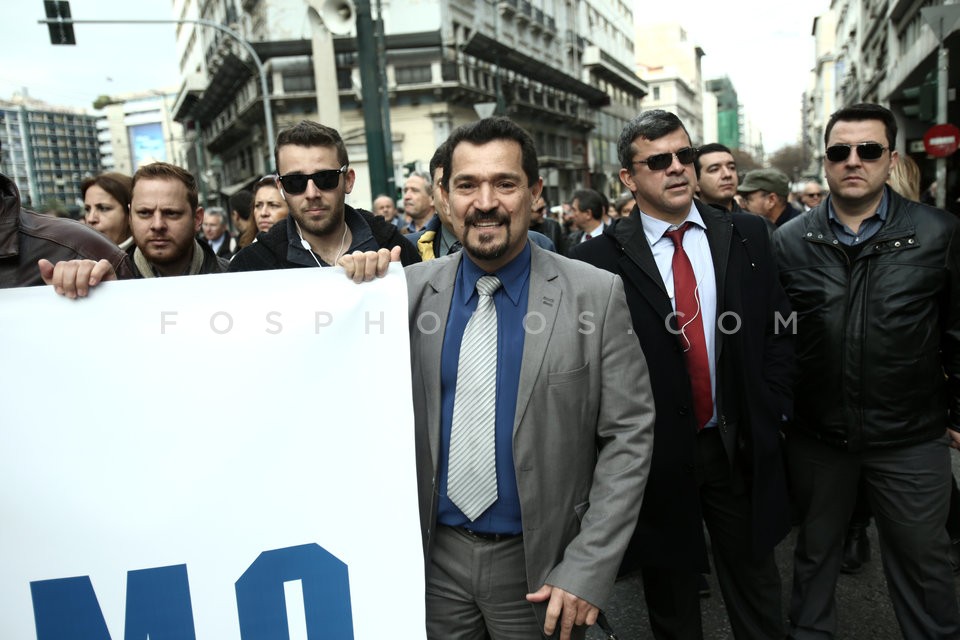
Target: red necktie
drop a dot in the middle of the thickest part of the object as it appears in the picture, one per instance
(690, 323)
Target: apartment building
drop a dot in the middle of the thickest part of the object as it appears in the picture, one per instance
(671, 65)
(47, 150)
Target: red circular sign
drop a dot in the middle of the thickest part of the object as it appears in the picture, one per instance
(941, 140)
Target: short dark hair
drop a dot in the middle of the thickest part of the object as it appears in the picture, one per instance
(713, 147)
(590, 200)
(242, 203)
(651, 125)
(308, 133)
(864, 111)
(438, 156)
(118, 185)
(488, 130)
(167, 171)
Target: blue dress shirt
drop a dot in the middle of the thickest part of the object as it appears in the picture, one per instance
(868, 227)
(510, 301)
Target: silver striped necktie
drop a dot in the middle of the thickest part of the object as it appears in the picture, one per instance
(471, 468)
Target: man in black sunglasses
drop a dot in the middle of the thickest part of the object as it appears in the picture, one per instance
(704, 300)
(315, 177)
(874, 279)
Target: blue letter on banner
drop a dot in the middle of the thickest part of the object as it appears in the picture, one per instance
(158, 607)
(67, 608)
(326, 594)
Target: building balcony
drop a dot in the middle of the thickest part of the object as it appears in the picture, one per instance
(602, 64)
(487, 49)
(204, 105)
(507, 8)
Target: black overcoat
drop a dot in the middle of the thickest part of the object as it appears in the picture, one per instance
(754, 371)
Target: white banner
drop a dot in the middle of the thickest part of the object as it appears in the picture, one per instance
(211, 457)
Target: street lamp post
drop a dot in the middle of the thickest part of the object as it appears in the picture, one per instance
(267, 110)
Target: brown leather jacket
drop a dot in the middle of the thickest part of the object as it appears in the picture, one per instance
(26, 236)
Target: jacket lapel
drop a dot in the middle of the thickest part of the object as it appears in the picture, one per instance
(719, 234)
(543, 303)
(434, 309)
(638, 266)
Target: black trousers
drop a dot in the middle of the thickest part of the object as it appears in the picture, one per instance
(751, 589)
(862, 514)
(908, 489)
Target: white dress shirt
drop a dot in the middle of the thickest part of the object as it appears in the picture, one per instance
(697, 248)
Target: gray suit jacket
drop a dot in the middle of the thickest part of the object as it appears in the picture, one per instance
(582, 436)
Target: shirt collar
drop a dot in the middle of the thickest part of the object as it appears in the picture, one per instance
(654, 228)
(513, 276)
(882, 209)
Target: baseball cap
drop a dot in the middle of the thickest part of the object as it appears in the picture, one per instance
(771, 180)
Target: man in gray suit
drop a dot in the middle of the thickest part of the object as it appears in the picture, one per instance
(571, 443)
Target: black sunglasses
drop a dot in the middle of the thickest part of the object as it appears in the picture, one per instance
(296, 183)
(661, 161)
(865, 151)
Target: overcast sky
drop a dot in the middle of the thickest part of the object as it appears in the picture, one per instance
(107, 59)
(765, 47)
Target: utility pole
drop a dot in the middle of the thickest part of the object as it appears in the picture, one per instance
(370, 80)
(942, 20)
(58, 24)
(380, 37)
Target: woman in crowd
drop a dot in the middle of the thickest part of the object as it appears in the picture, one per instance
(269, 207)
(106, 204)
(905, 178)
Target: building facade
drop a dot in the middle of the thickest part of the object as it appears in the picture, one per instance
(47, 151)
(541, 63)
(728, 111)
(671, 65)
(820, 98)
(137, 129)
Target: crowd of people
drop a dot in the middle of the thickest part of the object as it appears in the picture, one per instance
(714, 355)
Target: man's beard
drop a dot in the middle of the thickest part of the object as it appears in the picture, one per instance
(491, 249)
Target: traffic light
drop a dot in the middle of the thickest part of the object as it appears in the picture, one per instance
(60, 32)
(928, 98)
(922, 99)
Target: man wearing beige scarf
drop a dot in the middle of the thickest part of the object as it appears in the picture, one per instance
(165, 217)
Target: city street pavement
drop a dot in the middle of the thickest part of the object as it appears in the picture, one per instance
(863, 606)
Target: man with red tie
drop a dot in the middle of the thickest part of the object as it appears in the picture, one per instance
(713, 322)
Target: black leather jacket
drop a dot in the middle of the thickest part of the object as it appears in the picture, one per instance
(875, 336)
(25, 237)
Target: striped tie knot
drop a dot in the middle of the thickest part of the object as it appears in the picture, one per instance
(486, 285)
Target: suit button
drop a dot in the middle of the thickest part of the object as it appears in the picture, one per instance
(683, 410)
